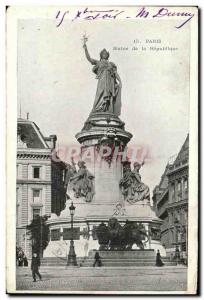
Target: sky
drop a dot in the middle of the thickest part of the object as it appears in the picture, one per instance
(57, 87)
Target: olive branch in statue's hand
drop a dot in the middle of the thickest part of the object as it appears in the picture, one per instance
(84, 39)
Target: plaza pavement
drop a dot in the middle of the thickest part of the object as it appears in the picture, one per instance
(104, 279)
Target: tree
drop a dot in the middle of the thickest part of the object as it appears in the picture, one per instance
(39, 234)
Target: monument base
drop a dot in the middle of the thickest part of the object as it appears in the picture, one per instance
(112, 259)
(87, 217)
(123, 254)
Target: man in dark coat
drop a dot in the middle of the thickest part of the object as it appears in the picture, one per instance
(35, 267)
(97, 259)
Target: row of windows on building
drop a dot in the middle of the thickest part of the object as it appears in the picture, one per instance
(36, 195)
(36, 172)
(36, 200)
(57, 176)
(180, 215)
(36, 211)
(176, 237)
(179, 190)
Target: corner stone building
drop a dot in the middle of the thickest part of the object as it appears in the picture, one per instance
(40, 179)
(170, 199)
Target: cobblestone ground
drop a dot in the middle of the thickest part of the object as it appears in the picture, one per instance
(104, 279)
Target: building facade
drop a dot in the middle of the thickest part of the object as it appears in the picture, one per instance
(170, 200)
(40, 179)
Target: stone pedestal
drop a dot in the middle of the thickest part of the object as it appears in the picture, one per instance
(100, 130)
(103, 132)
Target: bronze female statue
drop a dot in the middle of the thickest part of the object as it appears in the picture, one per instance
(108, 93)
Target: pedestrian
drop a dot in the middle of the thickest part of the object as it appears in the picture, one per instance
(20, 261)
(25, 261)
(35, 264)
(97, 260)
(159, 262)
(20, 257)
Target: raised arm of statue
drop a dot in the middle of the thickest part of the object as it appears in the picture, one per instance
(91, 60)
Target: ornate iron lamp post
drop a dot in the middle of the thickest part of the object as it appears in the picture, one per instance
(71, 260)
(177, 253)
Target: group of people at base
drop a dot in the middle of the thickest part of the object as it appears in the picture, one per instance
(21, 259)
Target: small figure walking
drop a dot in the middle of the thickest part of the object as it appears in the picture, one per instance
(25, 261)
(159, 262)
(35, 267)
(97, 260)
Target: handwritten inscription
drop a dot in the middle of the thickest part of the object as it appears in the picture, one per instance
(165, 12)
(112, 14)
(98, 14)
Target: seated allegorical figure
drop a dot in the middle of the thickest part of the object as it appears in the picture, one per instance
(133, 189)
(81, 181)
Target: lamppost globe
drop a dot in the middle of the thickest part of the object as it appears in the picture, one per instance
(72, 209)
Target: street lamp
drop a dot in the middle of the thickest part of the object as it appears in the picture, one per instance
(177, 253)
(71, 260)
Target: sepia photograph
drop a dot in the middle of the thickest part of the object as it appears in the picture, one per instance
(102, 150)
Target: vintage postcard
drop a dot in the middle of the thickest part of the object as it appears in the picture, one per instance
(102, 149)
